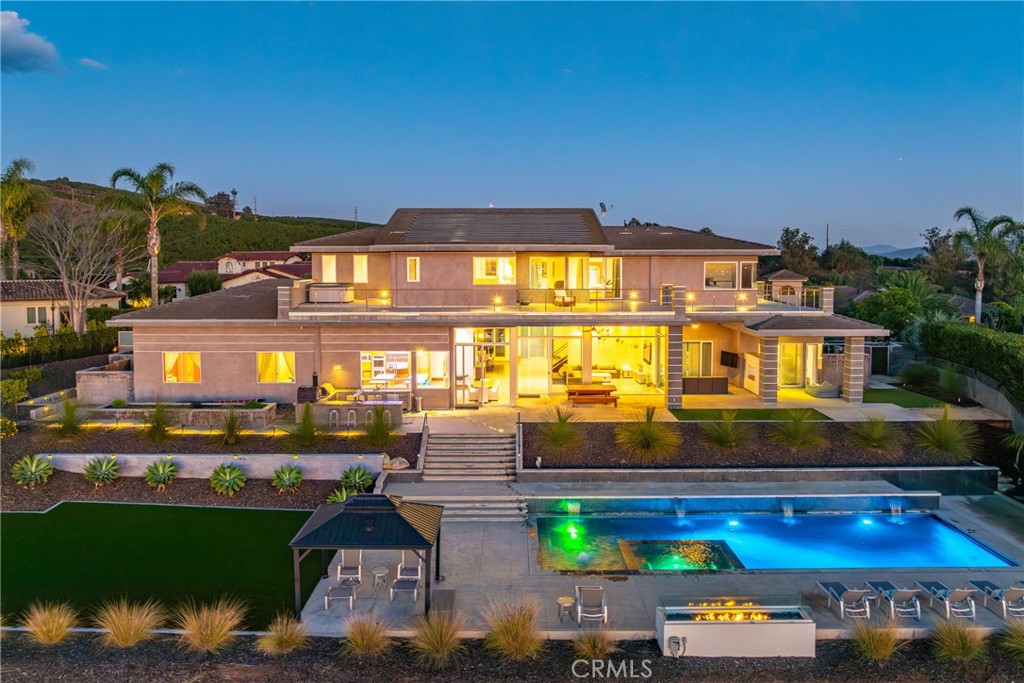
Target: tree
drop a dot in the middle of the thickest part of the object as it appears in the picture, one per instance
(943, 259)
(989, 240)
(139, 290)
(849, 260)
(894, 309)
(79, 244)
(155, 195)
(221, 204)
(929, 296)
(202, 282)
(798, 251)
(16, 205)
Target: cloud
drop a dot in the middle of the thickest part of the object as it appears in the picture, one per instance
(22, 50)
(92, 63)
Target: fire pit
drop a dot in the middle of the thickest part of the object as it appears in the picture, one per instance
(767, 626)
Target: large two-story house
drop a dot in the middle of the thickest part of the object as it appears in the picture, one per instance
(460, 307)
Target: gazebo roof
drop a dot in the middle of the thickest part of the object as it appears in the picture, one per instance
(371, 521)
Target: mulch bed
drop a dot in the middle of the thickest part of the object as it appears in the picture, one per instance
(598, 449)
(256, 493)
(162, 661)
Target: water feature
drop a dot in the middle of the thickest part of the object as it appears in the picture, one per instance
(787, 512)
(896, 510)
(572, 507)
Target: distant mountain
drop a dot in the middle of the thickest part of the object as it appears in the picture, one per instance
(893, 252)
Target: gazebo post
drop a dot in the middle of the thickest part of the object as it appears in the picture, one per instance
(437, 557)
(426, 593)
(324, 563)
(298, 585)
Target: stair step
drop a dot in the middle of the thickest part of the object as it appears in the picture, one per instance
(467, 477)
(501, 519)
(469, 461)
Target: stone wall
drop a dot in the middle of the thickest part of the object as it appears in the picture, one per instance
(201, 465)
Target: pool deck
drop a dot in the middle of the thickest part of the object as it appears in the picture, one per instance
(486, 562)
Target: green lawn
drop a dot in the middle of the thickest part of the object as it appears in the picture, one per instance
(88, 552)
(901, 397)
(695, 414)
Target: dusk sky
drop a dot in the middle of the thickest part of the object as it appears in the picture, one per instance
(880, 119)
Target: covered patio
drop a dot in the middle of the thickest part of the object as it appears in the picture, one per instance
(369, 522)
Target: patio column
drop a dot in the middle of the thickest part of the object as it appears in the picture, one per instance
(828, 295)
(298, 585)
(853, 369)
(586, 376)
(674, 390)
(426, 591)
(768, 370)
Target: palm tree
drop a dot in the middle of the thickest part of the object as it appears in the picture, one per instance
(16, 205)
(155, 195)
(988, 240)
(929, 295)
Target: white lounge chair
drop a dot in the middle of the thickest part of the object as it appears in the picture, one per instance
(852, 602)
(409, 575)
(903, 602)
(959, 602)
(591, 603)
(340, 593)
(1010, 599)
(351, 565)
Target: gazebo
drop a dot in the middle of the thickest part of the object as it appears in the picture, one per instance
(370, 522)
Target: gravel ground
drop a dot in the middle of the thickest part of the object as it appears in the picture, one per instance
(160, 661)
(72, 486)
(839, 450)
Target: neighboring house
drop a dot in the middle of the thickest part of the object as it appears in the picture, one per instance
(26, 304)
(461, 307)
(242, 261)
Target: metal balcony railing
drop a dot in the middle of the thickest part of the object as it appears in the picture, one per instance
(763, 298)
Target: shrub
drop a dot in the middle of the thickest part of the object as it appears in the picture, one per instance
(286, 633)
(367, 637)
(561, 433)
(337, 496)
(158, 425)
(8, 427)
(1000, 355)
(253, 405)
(160, 473)
(379, 432)
(286, 479)
(70, 420)
(207, 628)
(357, 479)
(230, 429)
(727, 433)
(953, 437)
(102, 471)
(593, 644)
(13, 390)
(799, 430)
(49, 623)
(1012, 640)
(128, 623)
(227, 479)
(953, 641)
(307, 432)
(646, 440)
(876, 433)
(513, 629)
(875, 641)
(918, 375)
(31, 471)
(29, 374)
(435, 640)
(119, 403)
(203, 282)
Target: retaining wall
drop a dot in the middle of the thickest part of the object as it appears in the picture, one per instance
(200, 465)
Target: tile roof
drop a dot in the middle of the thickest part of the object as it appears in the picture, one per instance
(785, 274)
(37, 290)
(811, 323)
(670, 238)
(300, 269)
(260, 255)
(254, 301)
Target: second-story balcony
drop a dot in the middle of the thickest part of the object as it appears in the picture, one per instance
(763, 299)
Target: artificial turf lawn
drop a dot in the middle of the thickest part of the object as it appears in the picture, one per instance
(900, 397)
(85, 553)
(695, 414)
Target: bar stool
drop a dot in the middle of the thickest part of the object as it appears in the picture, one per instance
(334, 418)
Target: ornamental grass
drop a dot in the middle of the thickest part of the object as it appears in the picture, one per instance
(49, 623)
(128, 623)
(285, 634)
(208, 628)
(513, 631)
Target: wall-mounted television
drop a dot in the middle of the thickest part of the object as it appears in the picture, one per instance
(730, 359)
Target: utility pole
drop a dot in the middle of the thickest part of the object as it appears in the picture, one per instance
(255, 209)
(355, 220)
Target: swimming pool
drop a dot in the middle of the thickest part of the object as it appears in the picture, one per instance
(755, 541)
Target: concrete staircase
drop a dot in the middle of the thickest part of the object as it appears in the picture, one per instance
(472, 475)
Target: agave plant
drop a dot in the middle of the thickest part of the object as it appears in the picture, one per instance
(227, 479)
(31, 471)
(102, 471)
(953, 437)
(286, 479)
(160, 473)
(337, 496)
(357, 479)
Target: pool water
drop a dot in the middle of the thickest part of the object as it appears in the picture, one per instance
(651, 543)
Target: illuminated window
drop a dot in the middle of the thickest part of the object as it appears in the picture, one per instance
(412, 269)
(181, 367)
(360, 270)
(384, 369)
(494, 270)
(432, 369)
(275, 367)
(329, 268)
(697, 359)
(719, 275)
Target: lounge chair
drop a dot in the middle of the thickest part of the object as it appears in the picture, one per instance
(351, 565)
(562, 298)
(903, 602)
(959, 602)
(1010, 599)
(328, 391)
(409, 575)
(340, 593)
(852, 602)
(591, 603)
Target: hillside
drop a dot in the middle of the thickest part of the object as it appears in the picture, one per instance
(185, 239)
